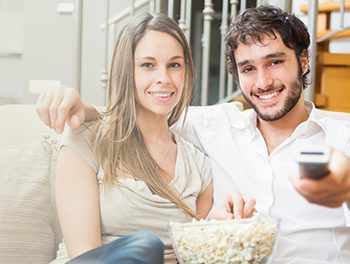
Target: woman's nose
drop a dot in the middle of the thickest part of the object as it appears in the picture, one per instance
(163, 76)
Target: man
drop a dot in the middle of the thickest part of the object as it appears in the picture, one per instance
(252, 150)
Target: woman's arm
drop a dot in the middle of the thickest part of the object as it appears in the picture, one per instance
(77, 198)
(204, 202)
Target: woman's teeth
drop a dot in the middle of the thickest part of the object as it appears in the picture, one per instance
(162, 94)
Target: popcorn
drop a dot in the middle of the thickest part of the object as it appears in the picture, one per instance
(244, 241)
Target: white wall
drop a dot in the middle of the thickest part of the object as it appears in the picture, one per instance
(93, 53)
(48, 45)
(285, 5)
(43, 42)
(11, 46)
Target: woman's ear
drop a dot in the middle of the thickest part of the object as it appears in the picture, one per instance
(304, 61)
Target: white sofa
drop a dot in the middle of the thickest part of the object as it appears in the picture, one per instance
(29, 231)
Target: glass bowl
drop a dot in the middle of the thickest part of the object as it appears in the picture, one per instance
(250, 240)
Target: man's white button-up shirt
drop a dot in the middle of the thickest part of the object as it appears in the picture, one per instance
(309, 233)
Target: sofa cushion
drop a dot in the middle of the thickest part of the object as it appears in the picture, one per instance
(27, 216)
(20, 124)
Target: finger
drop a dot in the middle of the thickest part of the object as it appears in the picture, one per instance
(330, 202)
(226, 216)
(74, 121)
(39, 106)
(55, 105)
(220, 213)
(324, 195)
(40, 98)
(77, 118)
(249, 204)
(43, 108)
(65, 112)
(237, 202)
(334, 198)
(308, 187)
(320, 189)
(339, 167)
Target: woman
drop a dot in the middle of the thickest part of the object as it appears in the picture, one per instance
(127, 171)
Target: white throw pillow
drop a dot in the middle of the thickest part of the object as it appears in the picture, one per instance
(27, 218)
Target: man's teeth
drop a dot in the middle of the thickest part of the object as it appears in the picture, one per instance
(268, 96)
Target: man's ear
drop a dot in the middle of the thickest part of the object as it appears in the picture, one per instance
(304, 61)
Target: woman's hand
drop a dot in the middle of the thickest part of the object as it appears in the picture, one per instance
(59, 105)
(234, 206)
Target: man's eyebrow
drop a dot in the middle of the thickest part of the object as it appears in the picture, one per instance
(269, 56)
(275, 55)
(242, 63)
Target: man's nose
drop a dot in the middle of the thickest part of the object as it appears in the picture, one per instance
(264, 79)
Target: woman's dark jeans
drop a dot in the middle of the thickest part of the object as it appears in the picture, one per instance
(141, 247)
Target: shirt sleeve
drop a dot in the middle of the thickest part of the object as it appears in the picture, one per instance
(194, 163)
(204, 166)
(185, 126)
(346, 205)
(79, 141)
(201, 118)
(206, 174)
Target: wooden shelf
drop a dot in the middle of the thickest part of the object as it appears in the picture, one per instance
(324, 7)
(333, 59)
(342, 34)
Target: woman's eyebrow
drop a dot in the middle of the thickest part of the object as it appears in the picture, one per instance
(177, 57)
(146, 58)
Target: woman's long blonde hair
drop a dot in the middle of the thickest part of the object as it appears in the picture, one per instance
(116, 139)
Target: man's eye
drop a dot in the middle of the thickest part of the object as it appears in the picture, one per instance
(276, 62)
(174, 65)
(147, 65)
(247, 69)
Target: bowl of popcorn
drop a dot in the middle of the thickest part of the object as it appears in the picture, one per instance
(243, 241)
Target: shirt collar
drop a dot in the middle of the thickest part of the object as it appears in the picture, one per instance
(314, 116)
(249, 118)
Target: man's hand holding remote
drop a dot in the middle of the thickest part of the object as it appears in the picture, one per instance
(333, 189)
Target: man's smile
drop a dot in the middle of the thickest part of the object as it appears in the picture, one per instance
(270, 95)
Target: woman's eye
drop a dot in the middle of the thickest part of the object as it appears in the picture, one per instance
(174, 65)
(147, 65)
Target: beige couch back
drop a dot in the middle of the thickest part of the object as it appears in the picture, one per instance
(29, 231)
(20, 125)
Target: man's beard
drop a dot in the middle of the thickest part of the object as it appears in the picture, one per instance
(292, 99)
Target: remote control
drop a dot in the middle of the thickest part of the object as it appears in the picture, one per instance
(313, 160)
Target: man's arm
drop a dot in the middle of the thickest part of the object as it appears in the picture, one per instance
(57, 106)
(332, 190)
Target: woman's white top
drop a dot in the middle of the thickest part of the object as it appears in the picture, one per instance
(131, 206)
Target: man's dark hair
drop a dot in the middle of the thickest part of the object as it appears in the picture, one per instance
(254, 23)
